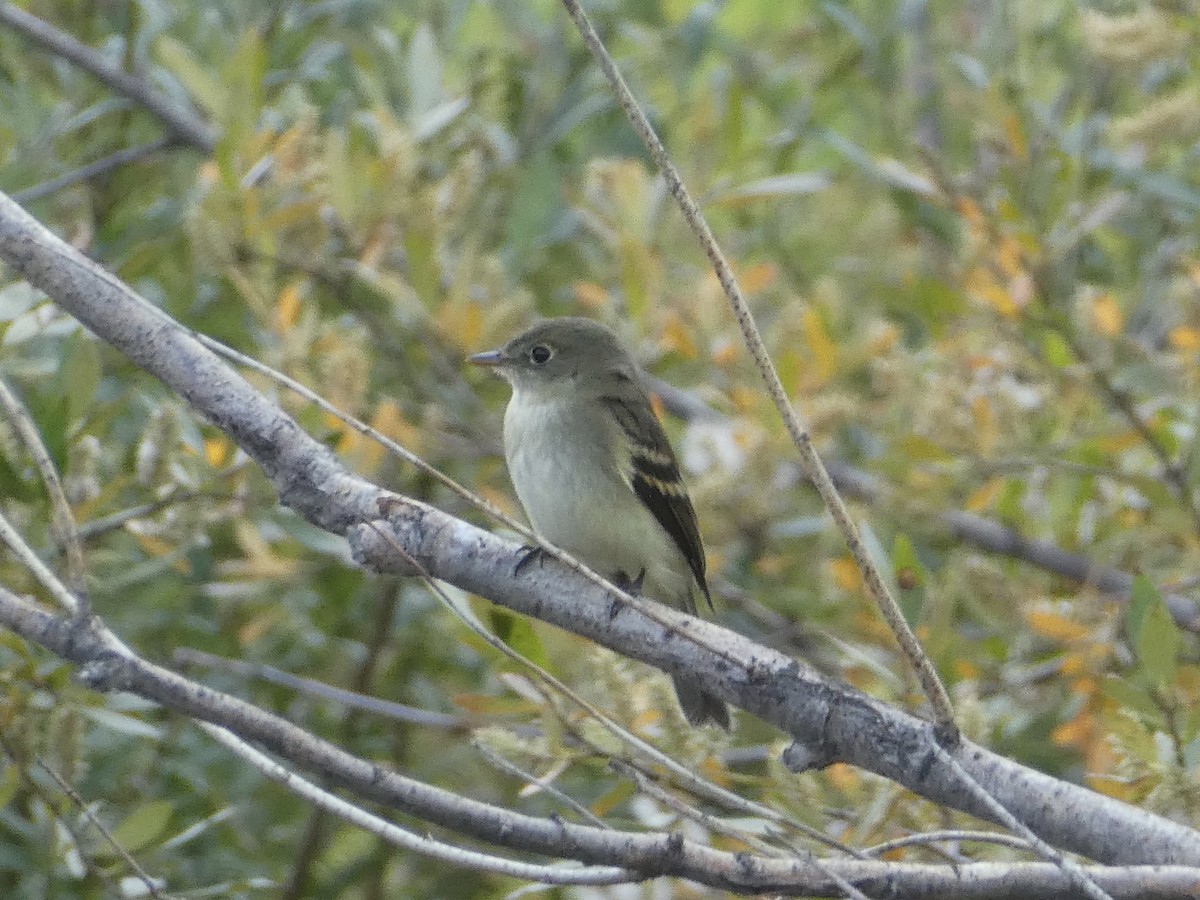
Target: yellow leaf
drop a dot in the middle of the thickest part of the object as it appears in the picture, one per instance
(824, 354)
(287, 307)
(758, 278)
(1075, 733)
(991, 293)
(883, 342)
(497, 498)
(676, 336)
(390, 422)
(743, 399)
(259, 625)
(1073, 664)
(1083, 686)
(1009, 256)
(711, 769)
(152, 546)
(216, 451)
(461, 323)
(1107, 315)
(1015, 133)
(985, 424)
(607, 802)
(842, 776)
(1185, 337)
(845, 574)
(725, 353)
(590, 295)
(770, 565)
(1112, 786)
(983, 496)
(1118, 443)
(969, 210)
(965, 669)
(1054, 626)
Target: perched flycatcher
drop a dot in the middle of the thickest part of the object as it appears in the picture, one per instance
(595, 472)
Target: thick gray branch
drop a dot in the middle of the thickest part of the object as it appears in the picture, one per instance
(828, 720)
(651, 855)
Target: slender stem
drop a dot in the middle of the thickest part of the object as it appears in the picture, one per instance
(931, 684)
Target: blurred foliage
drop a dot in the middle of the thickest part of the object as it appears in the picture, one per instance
(968, 231)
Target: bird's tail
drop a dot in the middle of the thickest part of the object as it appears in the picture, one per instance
(699, 707)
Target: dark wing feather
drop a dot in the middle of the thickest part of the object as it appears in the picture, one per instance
(656, 480)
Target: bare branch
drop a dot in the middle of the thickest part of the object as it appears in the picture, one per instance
(102, 166)
(11, 538)
(399, 837)
(184, 124)
(66, 534)
(829, 720)
(152, 885)
(186, 656)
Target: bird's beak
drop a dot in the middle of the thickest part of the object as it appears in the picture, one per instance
(491, 358)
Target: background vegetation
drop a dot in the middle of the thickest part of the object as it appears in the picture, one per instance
(968, 230)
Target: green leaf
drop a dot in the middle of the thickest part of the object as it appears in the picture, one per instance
(424, 73)
(50, 414)
(793, 184)
(1143, 595)
(203, 85)
(910, 579)
(10, 781)
(1158, 644)
(80, 374)
(13, 486)
(518, 632)
(1131, 697)
(143, 826)
(1055, 350)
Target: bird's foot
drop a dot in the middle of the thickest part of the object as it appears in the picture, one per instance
(632, 586)
(526, 555)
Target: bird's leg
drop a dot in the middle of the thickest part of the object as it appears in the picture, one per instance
(526, 555)
(631, 586)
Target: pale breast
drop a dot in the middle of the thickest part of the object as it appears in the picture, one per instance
(584, 507)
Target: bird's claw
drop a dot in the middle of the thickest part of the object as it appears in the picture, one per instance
(526, 555)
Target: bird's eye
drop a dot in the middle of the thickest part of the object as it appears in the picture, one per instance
(540, 354)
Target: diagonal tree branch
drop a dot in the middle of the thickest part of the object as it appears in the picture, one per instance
(650, 854)
(183, 124)
(828, 720)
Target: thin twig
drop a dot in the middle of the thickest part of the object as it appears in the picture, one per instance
(102, 166)
(931, 684)
(186, 656)
(399, 837)
(151, 884)
(930, 837)
(648, 787)
(97, 527)
(62, 520)
(12, 539)
(542, 784)
(690, 779)
(1069, 867)
(1127, 407)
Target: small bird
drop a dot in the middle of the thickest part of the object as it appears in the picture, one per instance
(595, 473)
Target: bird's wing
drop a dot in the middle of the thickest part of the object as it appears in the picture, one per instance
(654, 476)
